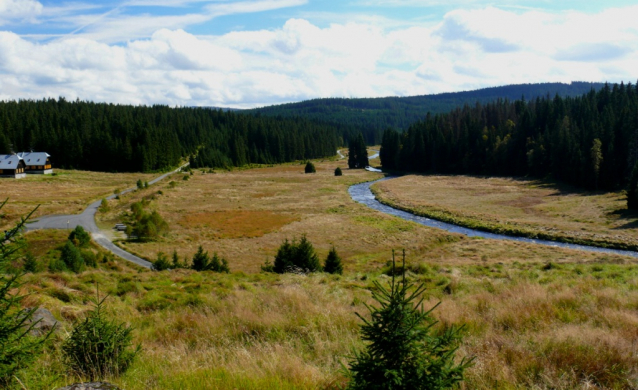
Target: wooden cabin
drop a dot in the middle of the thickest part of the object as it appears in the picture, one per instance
(38, 163)
(12, 165)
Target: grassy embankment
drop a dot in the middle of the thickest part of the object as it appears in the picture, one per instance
(517, 207)
(536, 317)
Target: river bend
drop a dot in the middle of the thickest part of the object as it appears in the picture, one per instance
(361, 193)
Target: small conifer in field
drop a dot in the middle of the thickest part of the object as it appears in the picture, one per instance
(176, 262)
(72, 257)
(161, 263)
(296, 256)
(203, 262)
(403, 349)
(310, 168)
(338, 172)
(99, 347)
(333, 263)
(79, 237)
(30, 263)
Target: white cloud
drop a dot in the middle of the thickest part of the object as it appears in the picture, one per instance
(19, 10)
(468, 49)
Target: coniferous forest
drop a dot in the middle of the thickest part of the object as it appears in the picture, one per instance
(589, 141)
(120, 138)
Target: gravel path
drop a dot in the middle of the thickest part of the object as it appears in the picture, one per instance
(87, 221)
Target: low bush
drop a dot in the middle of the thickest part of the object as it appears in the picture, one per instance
(338, 172)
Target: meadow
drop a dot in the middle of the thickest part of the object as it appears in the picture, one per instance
(535, 316)
(520, 206)
(66, 192)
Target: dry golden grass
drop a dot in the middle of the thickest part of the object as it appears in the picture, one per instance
(68, 192)
(244, 215)
(528, 204)
(531, 325)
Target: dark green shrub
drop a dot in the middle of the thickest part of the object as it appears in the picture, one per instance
(310, 167)
(203, 262)
(333, 263)
(80, 237)
(99, 347)
(403, 350)
(17, 348)
(90, 258)
(140, 184)
(338, 172)
(30, 263)
(57, 265)
(72, 257)
(161, 263)
(176, 263)
(296, 257)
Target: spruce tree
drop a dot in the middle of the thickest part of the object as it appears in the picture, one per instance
(333, 263)
(296, 257)
(357, 152)
(17, 348)
(200, 260)
(338, 172)
(79, 237)
(98, 347)
(305, 257)
(72, 257)
(310, 167)
(403, 351)
(176, 262)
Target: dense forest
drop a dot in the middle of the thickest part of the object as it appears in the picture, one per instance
(119, 138)
(589, 141)
(373, 115)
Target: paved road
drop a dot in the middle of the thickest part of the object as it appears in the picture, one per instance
(87, 221)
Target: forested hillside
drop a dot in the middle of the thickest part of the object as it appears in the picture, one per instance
(590, 141)
(373, 115)
(118, 138)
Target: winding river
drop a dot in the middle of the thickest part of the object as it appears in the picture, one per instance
(361, 193)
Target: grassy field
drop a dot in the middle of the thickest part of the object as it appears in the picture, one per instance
(244, 215)
(535, 316)
(518, 206)
(528, 324)
(68, 192)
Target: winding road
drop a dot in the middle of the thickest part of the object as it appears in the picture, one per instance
(87, 220)
(361, 193)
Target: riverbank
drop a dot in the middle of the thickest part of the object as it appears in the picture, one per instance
(517, 208)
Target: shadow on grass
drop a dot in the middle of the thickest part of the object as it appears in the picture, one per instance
(630, 215)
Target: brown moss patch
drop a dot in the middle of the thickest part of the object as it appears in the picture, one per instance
(239, 223)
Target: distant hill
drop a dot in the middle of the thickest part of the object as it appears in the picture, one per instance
(376, 114)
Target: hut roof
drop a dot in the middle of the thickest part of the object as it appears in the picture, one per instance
(34, 158)
(9, 161)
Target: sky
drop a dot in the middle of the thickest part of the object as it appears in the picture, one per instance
(250, 53)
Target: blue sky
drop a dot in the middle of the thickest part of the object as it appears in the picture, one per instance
(248, 53)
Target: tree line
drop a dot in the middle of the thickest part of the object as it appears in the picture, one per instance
(125, 138)
(590, 141)
(372, 116)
